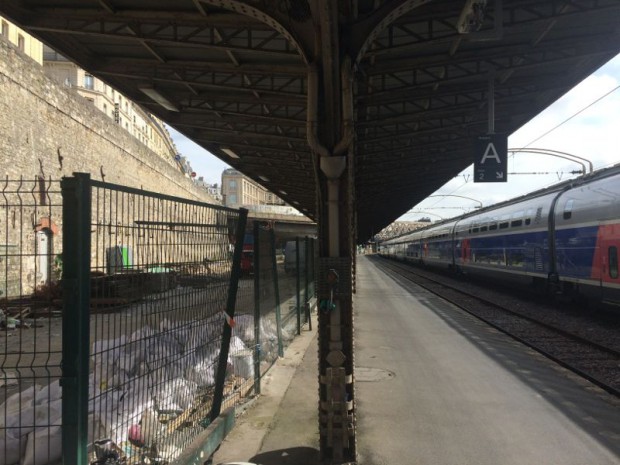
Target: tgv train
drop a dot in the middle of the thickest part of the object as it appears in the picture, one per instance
(565, 237)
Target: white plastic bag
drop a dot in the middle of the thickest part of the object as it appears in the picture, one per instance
(202, 373)
(177, 392)
(25, 421)
(243, 364)
(244, 327)
(49, 393)
(12, 448)
(17, 402)
(236, 345)
(44, 446)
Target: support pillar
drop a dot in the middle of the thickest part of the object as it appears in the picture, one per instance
(330, 136)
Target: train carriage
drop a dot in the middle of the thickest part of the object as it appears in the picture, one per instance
(565, 237)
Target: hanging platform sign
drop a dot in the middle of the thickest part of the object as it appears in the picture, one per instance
(491, 158)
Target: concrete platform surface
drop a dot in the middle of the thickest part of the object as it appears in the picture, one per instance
(434, 387)
(281, 425)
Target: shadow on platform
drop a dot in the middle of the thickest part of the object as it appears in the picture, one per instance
(291, 456)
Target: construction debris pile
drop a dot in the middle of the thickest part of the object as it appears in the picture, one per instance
(146, 391)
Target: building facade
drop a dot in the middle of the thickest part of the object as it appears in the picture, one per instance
(26, 44)
(240, 191)
(213, 189)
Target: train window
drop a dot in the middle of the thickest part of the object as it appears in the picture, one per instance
(613, 262)
(503, 225)
(568, 209)
(483, 228)
(527, 221)
(493, 227)
(516, 223)
(538, 215)
(476, 229)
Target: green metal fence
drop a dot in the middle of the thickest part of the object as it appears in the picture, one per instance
(149, 281)
(161, 325)
(30, 323)
(284, 285)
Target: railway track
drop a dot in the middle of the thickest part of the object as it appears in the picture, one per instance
(596, 361)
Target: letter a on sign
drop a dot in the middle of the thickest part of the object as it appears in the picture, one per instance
(491, 158)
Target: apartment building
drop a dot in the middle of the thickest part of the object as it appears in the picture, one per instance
(27, 44)
(239, 190)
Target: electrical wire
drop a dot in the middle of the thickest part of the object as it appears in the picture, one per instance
(573, 116)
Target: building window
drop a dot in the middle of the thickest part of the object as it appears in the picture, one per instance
(232, 198)
(568, 210)
(21, 42)
(232, 184)
(89, 81)
(5, 29)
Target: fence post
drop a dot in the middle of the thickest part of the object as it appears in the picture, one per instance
(230, 310)
(306, 294)
(76, 222)
(277, 293)
(257, 317)
(297, 286)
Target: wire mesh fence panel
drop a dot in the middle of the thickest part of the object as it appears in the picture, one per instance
(269, 345)
(243, 341)
(288, 272)
(160, 269)
(284, 282)
(30, 321)
(309, 291)
(140, 293)
(297, 281)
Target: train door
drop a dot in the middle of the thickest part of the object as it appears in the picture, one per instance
(465, 251)
(607, 258)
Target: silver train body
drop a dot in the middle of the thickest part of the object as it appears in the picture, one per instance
(565, 237)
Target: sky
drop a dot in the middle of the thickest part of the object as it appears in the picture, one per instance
(592, 131)
(203, 163)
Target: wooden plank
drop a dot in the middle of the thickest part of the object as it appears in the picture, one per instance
(200, 411)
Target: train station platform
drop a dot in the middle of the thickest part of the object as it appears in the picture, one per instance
(434, 386)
